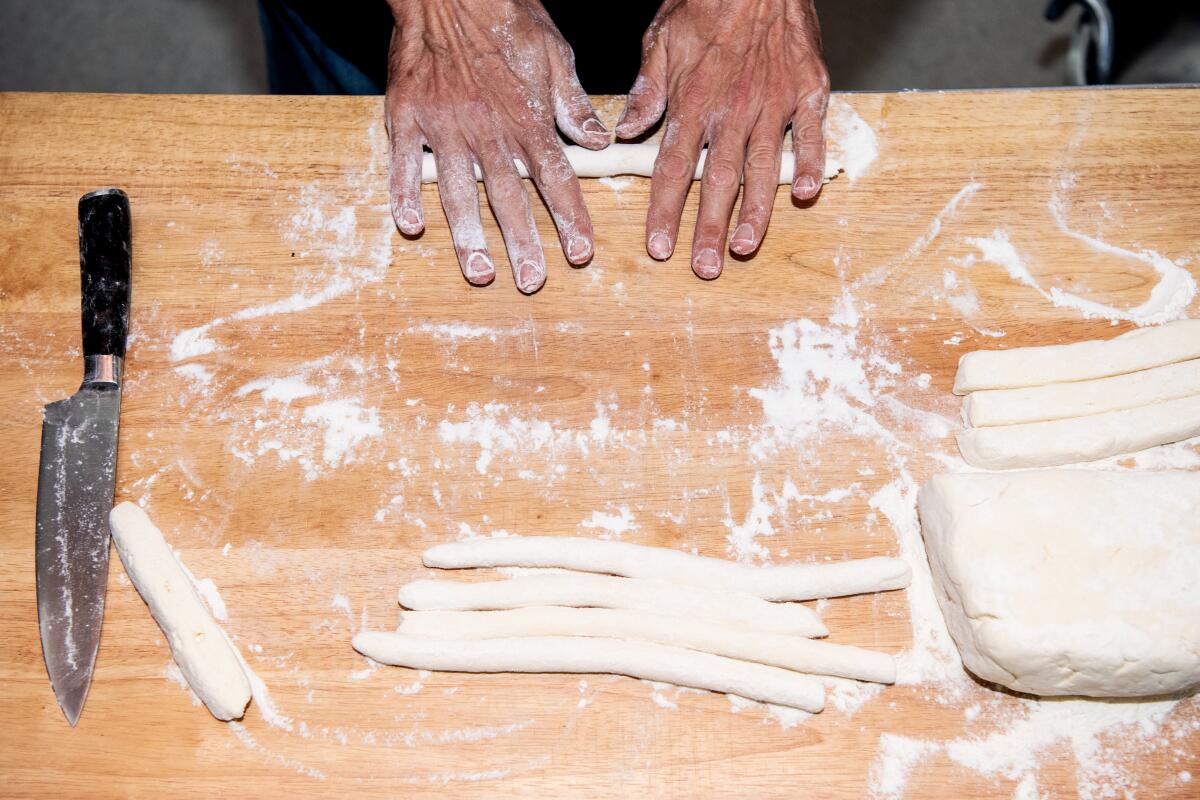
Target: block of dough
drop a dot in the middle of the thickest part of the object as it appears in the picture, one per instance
(1072, 441)
(1036, 366)
(991, 407)
(580, 654)
(628, 159)
(1069, 582)
(604, 591)
(205, 657)
(792, 582)
(779, 650)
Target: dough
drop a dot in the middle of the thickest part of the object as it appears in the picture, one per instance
(603, 591)
(794, 582)
(1036, 366)
(1069, 582)
(205, 657)
(1070, 441)
(1063, 400)
(790, 652)
(653, 662)
(627, 159)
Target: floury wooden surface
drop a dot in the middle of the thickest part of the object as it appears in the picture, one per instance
(628, 389)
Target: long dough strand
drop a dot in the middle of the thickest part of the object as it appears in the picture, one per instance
(604, 591)
(778, 650)
(793, 582)
(579, 654)
(205, 657)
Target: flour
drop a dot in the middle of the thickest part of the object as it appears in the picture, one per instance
(851, 141)
(612, 525)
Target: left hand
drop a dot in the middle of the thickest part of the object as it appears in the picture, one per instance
(731, 74)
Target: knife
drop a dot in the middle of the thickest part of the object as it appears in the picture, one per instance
(79, 459)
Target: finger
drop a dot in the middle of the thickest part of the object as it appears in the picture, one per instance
(510, 203)
(404, 172)
(718, 190)
(559, 186)
(763, 154)
(669, 184)
(808, 143)
(648, 96)
(460, 200)
(573, 110)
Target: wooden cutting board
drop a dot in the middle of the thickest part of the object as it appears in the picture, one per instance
(313, 399)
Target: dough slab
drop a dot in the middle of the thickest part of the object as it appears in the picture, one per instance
(627, 159)
(604, 591)
(1037, 366)
(793, 582)
(1069, 582)
(579, 654)
(789, 652)
(205, 657)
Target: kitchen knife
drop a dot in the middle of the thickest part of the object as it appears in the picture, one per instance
(79, 459)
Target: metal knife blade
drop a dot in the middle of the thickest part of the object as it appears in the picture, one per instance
(79, 460)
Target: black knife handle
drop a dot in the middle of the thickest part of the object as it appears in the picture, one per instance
(105, 261)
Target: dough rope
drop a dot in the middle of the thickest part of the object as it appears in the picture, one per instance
(603, 591)
(626, 159)
(597, 655)
(793, 582)
(207, 660)
(789, 652)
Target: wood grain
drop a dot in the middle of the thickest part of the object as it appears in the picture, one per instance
(241, 202)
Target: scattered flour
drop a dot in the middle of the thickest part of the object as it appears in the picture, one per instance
(612, 525)
(852, 142)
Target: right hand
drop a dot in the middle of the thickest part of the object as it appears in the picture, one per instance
(482, 82)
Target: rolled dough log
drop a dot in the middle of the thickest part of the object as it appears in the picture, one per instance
(627, 159)
(603, 591)
(205, 657)
(579, 654)
(1064, 400)
(1036, 366)
(1071, 441)
(1069, 582)
(793, 582)
(779, 650)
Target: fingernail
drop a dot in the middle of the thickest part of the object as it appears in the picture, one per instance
(410, 220)
(530, 277)
(707, 264)
(579, 250)
(594, 125)
(659, 246)
(743, 239)
(805, 186)
(480, 269)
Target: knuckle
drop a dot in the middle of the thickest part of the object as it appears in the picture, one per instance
(711, 231)
(673, 167)
(720, 173)
(762, 158)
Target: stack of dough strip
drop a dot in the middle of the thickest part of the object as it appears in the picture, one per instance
(1065, 404)
(645, 612)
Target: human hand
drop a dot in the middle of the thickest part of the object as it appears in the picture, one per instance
(731, 74)
(482, 82)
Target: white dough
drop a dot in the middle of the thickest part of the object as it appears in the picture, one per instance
(793, 582)
(1063, 400)
(779, 650)
(604, 591)
(627, 159)
(580, 654)
(1070, 582)
(205, 657)
(1071, 441)
(1036, 366)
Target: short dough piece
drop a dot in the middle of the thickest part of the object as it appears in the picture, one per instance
(793, 582)
(579, 654)
(1037, 366)
(1064, 400)
(789, 652)
(1069, 582)
(628, 159)
(603, 591)
(1072, 441)
(205, 657)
